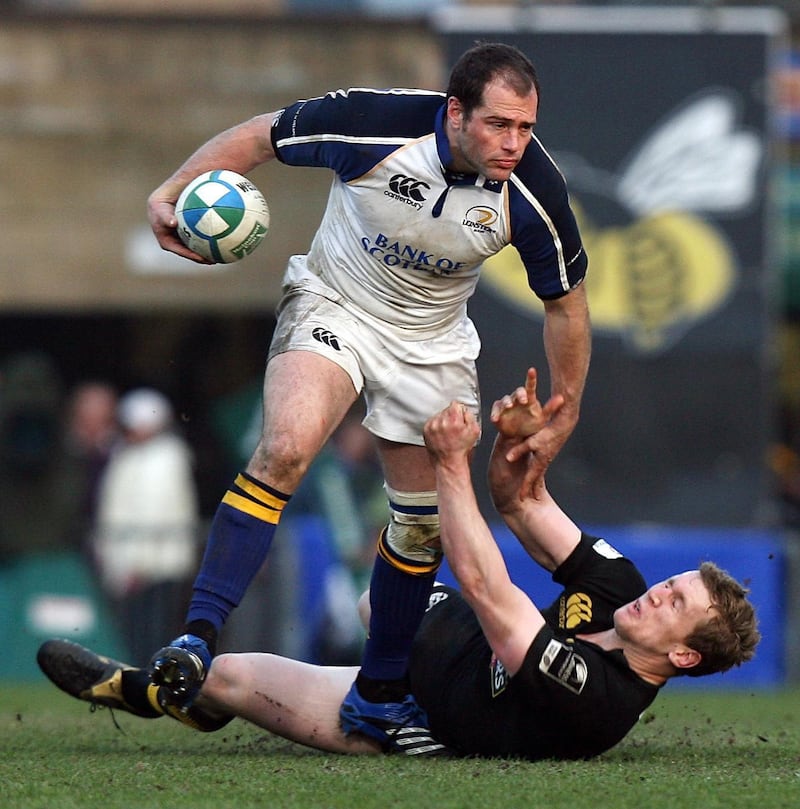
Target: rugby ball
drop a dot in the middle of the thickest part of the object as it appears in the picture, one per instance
(222, 216)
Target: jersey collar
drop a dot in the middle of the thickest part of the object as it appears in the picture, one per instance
(453, 178)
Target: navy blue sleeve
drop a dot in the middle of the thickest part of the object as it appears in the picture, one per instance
(544, 229)
(350, 131)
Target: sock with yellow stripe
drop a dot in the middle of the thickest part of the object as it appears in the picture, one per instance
(240, 538)
(135, 685)
(144, 697)
(398, 600)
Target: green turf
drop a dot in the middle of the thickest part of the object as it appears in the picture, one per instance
(693, 749)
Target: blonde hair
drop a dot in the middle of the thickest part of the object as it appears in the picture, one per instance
(729, 638)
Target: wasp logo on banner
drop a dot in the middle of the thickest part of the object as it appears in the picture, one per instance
(665, 264)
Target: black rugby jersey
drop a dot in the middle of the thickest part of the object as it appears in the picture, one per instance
(570, 699)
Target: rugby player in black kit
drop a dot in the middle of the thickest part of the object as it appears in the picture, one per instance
(496, 676)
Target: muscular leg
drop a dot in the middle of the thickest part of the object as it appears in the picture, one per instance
(403, 574)
(406, 468)
(295, 700)
(305, 397)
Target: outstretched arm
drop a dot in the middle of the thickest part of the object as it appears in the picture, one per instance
(240, 149)
(518, 488)
(509, 619)
(545, 531)
(567, 340)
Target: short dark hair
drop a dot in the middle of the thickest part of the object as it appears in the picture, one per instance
(485, 62)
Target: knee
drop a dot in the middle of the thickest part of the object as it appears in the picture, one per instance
(280, 460)
(412, 535)
(223, 677)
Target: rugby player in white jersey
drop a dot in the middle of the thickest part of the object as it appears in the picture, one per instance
(426, 187)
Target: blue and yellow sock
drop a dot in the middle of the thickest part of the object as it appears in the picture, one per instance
(399, 593)
(240, 538)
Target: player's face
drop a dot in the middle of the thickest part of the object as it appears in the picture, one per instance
(491, 141)
(660, 620)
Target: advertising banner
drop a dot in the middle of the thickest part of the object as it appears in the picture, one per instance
(660, 120)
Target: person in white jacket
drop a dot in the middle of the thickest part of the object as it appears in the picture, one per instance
(145, 538)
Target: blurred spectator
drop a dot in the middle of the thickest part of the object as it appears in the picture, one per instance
(40, 482)
(145, 540)
(90, 433)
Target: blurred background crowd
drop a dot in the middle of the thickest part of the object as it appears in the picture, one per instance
(130, 381)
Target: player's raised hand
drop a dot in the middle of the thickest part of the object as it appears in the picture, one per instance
(520, 414)
(452, 433)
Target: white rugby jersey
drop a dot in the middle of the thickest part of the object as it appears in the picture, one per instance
(402, 237)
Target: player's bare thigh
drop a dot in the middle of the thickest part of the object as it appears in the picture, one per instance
(406, 467)
(298, 701)
(305, 398)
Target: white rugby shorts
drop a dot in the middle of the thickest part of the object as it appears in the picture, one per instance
(404, 381)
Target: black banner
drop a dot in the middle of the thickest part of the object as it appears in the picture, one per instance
(659, 118)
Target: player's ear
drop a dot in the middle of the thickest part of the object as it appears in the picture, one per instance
(455, 111)
(682, 657)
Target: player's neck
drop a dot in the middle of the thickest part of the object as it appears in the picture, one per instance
(646, 665)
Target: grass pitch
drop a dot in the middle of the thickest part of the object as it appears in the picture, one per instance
(692, 749)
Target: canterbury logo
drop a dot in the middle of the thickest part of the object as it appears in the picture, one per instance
(579, 610)
(326, 337)
(408, 187)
